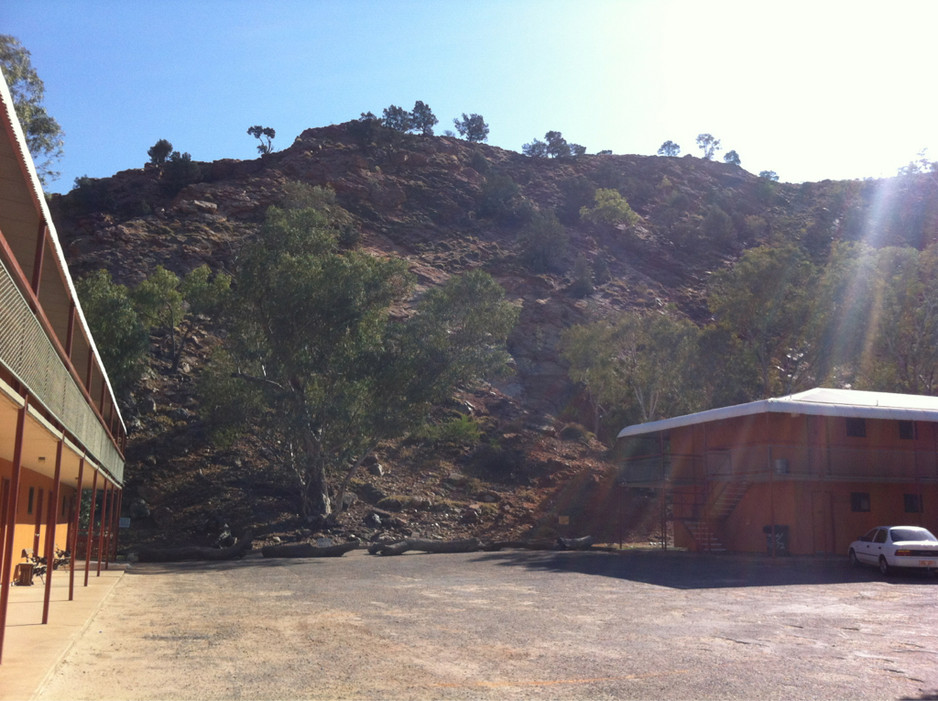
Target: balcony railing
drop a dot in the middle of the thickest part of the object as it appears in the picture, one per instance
(785, 462)
(27, 353)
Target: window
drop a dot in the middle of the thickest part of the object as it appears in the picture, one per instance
(859, 501)
(907, 430)
(881, 535)
(856, 428)
(913, 503)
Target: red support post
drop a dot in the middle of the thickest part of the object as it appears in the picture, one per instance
(37, 506)
(94, 498)
(114, 521)
(104, 524)
(39, 258)
(51, 523)
(12, 499)
(73, 540)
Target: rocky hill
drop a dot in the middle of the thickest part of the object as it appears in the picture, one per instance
(445, 206)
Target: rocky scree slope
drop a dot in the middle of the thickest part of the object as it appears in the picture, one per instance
(445, 206)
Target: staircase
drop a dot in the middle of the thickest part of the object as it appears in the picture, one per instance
(727, 499)
(704, 536)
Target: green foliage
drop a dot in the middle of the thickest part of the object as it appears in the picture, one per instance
(472, 128)
(553, 146)
(166, 304)
(769, 175)
(874, 321)
(670, 149)
(919, 165)
(322, 198)
(764, 301)
(575, 432)
(459, 431)
(709, 145)
(266, 136)
(479, 163)
(44, 136)
(422, 118)
(180, 170)
(577, 193)
(610, 209)
(582, 277)
(205, 294)
(365, 128)
(718, 228)
(158, 300)
(314, 335)
(502, 201)
(159, 151)
(544, 244)
(92, 195)
(641, 361)
(535, 149)
(118, 331)
(732, 158)
(396, 118)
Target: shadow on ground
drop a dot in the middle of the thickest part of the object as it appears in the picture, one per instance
(682, 570)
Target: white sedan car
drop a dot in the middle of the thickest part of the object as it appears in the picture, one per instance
(895, 546)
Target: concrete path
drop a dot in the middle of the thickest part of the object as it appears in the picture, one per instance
(31, 650)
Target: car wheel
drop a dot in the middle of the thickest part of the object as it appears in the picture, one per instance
(853, 558)
(883, 565)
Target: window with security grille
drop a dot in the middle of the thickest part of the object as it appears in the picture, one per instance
(859, 501)
(913, 503)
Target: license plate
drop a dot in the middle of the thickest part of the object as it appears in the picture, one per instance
(926, 563)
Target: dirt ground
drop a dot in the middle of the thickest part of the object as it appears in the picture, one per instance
(508, 625)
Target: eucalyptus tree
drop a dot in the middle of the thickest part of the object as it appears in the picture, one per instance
(472, 128)
(670, 149)
(709, 145)
(764, 300)
(114, 322)
(422, 118)
(44, 136)
(640, 362)
(319, 362)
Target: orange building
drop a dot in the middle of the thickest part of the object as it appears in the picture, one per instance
(61, 434)
(817, 469)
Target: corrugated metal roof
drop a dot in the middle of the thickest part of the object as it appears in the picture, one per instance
(819, 401)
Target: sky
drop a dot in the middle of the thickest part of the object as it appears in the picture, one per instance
(812, 90)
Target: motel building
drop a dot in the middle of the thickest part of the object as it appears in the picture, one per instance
(816, 470)
(61, 434)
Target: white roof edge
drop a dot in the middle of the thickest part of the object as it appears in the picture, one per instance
(818, 402)
(37, 192)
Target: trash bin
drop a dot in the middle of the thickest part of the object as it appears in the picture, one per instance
(781, 539)
(23, 574)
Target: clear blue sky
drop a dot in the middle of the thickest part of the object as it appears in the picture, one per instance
(810, 89)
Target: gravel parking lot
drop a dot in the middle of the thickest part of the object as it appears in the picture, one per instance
(508, 625)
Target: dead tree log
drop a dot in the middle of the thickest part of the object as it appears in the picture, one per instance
(308, 550)
(196, 552)
(496, 545)
(430, 546)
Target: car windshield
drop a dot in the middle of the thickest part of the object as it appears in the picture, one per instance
(900, 534)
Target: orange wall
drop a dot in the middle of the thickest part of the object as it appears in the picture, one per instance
(819, 514)
(814, 503)
(25, 532)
